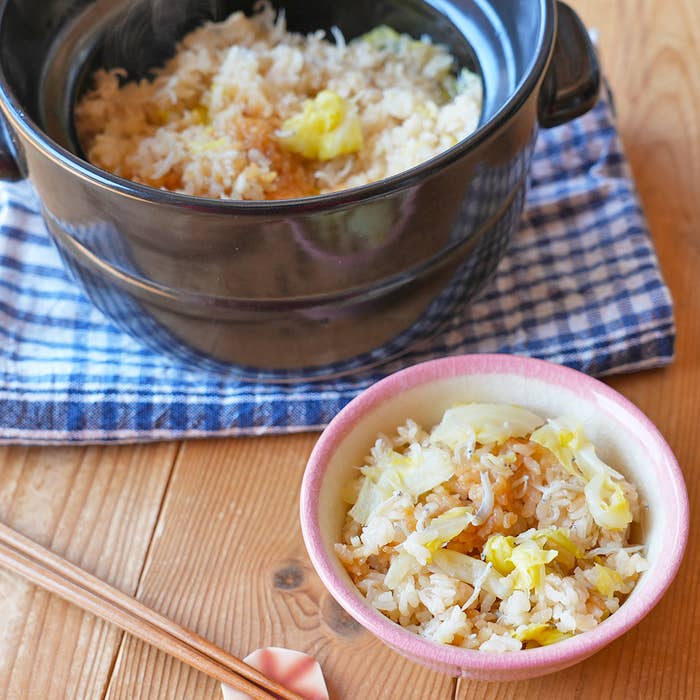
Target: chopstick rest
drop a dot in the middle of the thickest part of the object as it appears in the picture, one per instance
(295, 670)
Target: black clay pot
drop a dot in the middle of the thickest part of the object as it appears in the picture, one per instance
(300, 288)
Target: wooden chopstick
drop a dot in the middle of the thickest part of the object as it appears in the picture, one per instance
(57, 575)
(73, 593)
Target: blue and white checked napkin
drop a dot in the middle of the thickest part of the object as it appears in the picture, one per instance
(580, 286)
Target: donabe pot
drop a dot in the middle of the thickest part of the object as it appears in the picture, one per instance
(301, 288)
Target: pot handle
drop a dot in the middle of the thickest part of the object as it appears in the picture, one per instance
(572, 82)
(9, 170)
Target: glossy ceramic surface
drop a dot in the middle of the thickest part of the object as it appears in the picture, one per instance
(302, 288)
(622, 434)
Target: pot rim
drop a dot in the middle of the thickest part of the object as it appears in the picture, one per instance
(121, 186)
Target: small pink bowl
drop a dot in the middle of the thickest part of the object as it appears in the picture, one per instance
(622, 434)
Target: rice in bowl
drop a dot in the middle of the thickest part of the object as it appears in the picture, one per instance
(495, 530)
(247, 110)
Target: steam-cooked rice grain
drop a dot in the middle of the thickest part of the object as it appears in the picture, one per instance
(210, 121)
(534, 498)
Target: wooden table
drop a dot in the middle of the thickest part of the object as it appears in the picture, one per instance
(207, 532)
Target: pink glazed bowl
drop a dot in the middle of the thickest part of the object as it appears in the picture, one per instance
(623, 436)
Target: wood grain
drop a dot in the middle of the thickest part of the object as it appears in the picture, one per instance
(97, 507)
(228, 562)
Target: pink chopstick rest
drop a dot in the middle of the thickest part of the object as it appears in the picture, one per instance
(294, 670)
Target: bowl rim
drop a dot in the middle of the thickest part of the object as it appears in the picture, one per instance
(13, 111)
(561, 654)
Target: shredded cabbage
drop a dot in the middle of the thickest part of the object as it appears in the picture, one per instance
(607, 503)
(382, 38)
(529, 560)
(523, 558)
(370, 497)
(561, 437)
(478, 585)
(327, 127)
(426, 468)
(423, 544)
(472, 570)
(542, 634)
(401, 566)
(386, 38)
(590, 464)
(569, 443)
(418, 471)
(607, 580)
(498, 550)
(486, 422)
(559, 539)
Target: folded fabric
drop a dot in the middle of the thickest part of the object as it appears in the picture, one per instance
(580, 286)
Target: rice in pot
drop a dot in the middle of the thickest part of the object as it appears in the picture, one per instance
(247, 110)
(496, 530)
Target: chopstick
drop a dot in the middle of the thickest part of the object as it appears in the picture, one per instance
(57, 575)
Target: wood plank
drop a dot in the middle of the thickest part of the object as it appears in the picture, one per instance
(97, 507)
(228, 561)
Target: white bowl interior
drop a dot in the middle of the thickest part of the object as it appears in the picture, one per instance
(610, 429)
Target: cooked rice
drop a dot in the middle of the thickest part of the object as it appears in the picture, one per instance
(533, 493)
(208, 123)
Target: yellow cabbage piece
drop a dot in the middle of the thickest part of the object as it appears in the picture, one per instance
(472, 570)
(464, 81)
(529, 560)
(198, 147)
(559, 540)
(483, 422)
(498, 550)
(607, 503)
(371, 496)
(422, 544)
(327, 127)
(401, 565)
(382, 37)
(607, 580)
(424, 469)
(542, 634)
(590, 464)
(523, 563)
(605, 498)
(563, 439)
(419, 470)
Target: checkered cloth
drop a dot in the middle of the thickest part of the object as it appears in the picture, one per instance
(580, 286)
